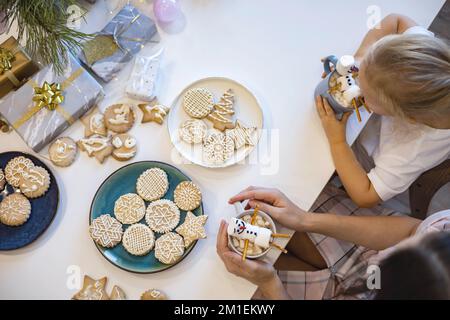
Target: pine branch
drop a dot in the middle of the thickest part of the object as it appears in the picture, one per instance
(43, 24)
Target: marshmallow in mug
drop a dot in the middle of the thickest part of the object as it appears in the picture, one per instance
(353, 92)
(345, 82)
(245, 231)
(346, 65)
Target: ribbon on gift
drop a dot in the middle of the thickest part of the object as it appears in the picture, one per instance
(7, 57)
(49, 96)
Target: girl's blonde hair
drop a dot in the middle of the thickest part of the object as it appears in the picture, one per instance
(411, 76)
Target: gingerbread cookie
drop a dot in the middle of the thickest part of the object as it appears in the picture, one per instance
(94, 123)
(193, 131)
(152, 184)
(193, 228)
(15, 210)
(34, 182)
(218, 148)
(117, 294)
(198, 102)
(2, 179)
(124, 147)
(63, 152)
(15, 168)
(242, 136)
(169, 248)
(187, 196)
(119, 118)
(153, 112)
(97, 146)
(154, 294)
(222, 112)
(138, 239)
(162, 216)
(106, 231)
(129, 208)
(92, 290)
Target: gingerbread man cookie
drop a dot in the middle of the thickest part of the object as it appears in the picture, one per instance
(124, 147)
(96, 146)
(119, 118)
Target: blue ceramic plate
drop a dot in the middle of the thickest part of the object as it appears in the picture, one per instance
(121, 182)
(43, 210)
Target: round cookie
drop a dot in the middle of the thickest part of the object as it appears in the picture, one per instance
(198, 102)
(152, 184)
(138, 239)
(15, 168)
(119, 118)
(169, 248)
(129, 208)
(162, 216)
(187, 196)
(154, 294)
(193, 131)
(2, 179)
(124, 147)
(63, 151)
(218, 148)
(106, 231)
(34, 182)
(15, 210)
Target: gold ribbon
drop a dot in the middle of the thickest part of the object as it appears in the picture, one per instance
(48, 96)
(57, 107)
(6, 59)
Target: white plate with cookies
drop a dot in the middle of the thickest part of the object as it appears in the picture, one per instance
(215, 122)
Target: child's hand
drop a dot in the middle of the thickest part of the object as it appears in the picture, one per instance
(335, 129)
(274, 203)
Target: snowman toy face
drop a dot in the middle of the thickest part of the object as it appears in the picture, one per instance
(346, 82)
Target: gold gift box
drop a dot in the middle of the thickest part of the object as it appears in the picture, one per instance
(22, 68)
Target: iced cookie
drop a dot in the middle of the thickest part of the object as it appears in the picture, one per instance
(169, 248)
(96, 146)
(153, 112)
(119, 118)
(193, 131)
(193, 228)
(162, 216)
(34, 182)
(15, 210)
(187, 196)
(198, 102)
(242, 136)
(129, 208)
(152, 184)
(222, 112)
(106, 231)
(218, 148)
(2, 179)
(15, 168)
(124, 147)
(92, 290)
(154, 294)
(138, 239)
(94, 123)
(63, 152)
(117, 294)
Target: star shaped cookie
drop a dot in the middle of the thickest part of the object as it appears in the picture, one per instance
(92, 290)
(153, 112)
(193, 228)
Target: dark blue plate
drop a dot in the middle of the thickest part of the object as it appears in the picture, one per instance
(43, 210)
(121, 182)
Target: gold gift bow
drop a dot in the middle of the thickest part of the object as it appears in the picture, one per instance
(38, 107)
(48, 96)
(6, 59)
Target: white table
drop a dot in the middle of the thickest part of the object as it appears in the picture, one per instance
(272, 46)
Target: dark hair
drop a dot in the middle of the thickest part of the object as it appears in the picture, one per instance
(419, 272)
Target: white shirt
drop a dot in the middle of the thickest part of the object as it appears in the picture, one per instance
(401, 151)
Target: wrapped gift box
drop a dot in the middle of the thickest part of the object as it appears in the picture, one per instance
(28, 109)
(121, 39)
(15, 66)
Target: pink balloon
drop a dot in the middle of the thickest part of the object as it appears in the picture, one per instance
(166, 10)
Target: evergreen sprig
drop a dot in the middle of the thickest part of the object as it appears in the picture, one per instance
(44, 26)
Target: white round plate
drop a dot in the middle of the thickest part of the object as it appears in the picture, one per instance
(247, 110)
